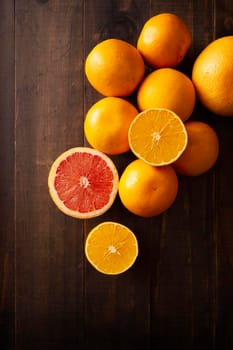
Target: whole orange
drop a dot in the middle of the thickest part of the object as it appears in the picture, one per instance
(106, 124)
(201, 152)
(146, 190)
(114, 67)
(212, 76)
(167, 88)
(164, 40)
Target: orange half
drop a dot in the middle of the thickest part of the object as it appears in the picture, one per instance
(111, 248)
(157, 136)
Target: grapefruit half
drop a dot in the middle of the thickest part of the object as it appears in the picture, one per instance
(83, 182)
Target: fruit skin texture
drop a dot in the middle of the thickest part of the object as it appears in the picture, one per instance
(201, 152)
(114, 67)
(212, 76)
(164, 40)
(167, 88)
(106, 125)
(146, 190)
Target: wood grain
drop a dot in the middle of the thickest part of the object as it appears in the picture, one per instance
(49, 116)
(179, 292)
(7, 226)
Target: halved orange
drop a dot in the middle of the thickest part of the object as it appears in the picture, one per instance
(83, 182)
(111, 248)
(157, 136)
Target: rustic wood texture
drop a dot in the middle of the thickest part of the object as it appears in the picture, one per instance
(179, 292)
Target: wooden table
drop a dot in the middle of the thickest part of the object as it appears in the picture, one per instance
(179, 294)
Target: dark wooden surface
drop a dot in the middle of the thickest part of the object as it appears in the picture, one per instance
(179, 294)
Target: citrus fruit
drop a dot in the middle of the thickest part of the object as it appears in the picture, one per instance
(111, 248)
(212, 76)
(164, 40)
(114, 67)
(146, 190)
(167, 88)
(201, 152)
(157, 136)
(83, 182)
(106, 124)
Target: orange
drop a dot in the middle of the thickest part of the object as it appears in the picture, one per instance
(114, 67)
(164, 40)
(146, 190)
(83, 182)
(167, 88)
(111, 248)
(212, 76)
(157, 136)
(201, 152)
(106, 124)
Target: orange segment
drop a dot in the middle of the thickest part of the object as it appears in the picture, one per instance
(83, 182)
(111, 248)
(157, 136)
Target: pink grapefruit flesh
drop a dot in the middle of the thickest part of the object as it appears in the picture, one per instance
(83, 182)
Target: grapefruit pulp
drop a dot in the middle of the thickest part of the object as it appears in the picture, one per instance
(83, 182)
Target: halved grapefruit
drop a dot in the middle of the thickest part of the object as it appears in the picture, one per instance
(83, 182)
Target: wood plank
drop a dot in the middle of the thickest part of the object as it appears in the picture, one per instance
(49, 116)
(184, 288)
(117, 311)
(224, 183)
(7, 231)
(179, 292)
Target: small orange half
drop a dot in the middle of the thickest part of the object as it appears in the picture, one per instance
(157, 136)
(111, 248)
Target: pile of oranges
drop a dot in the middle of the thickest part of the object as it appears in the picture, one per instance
(113, 125)
(156, 128)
